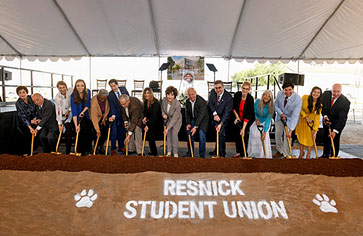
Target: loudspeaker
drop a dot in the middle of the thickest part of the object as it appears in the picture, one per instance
(294, 78)
(8, 75)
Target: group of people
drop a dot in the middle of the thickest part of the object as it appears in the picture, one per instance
(128, 118)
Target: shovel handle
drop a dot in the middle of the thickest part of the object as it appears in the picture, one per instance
(332, 141)
(288, 141)
(143, 143)
(94, 150)
(32, 145)
(59, 137)
(190, 144)
(164, 141)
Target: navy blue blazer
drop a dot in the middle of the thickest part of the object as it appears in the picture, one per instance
(223, 108)
(115, 108)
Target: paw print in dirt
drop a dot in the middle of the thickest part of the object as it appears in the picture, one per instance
(85, 199)
(325, 205)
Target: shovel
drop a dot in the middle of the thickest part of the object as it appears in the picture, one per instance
(32, 145)
(108, 136)
(311, 125)
(190, 144)
(288, 141)
(217, 150)
(165, 124)
(240, 125)
(75, 153)
(59, 137)
(143, 143)
(96, 144)
(332, 144)
(260, 128)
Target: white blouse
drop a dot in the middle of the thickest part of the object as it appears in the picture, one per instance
(62, 105)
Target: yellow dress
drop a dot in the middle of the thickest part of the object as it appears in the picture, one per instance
(303, 131)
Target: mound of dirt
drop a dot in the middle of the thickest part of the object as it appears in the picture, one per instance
(133, 164)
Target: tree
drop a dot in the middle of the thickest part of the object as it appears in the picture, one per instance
(260, 69)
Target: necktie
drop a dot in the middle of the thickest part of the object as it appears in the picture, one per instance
(218, 98)
(332, 102)
(285, 101)
(118, 94)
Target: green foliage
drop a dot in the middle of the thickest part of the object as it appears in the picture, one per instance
(172, 63)
(260, 69)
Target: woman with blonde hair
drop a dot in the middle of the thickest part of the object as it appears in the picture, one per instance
(243, 107)
(264, 110)
(152, 117)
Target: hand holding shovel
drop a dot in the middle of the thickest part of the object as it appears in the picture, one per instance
(332, 144)
(59, 137)
(143, 141)
(311, 125)
(75, 145)
(288, 141)
(217, 150)
(260, 128)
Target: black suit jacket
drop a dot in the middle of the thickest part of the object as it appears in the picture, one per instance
(248, 110)
(114, 103)
(200, 113)
(153, 115)
(47, 116)
(223, 108)
(338, 114)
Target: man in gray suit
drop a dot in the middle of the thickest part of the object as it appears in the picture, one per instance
(48, 125)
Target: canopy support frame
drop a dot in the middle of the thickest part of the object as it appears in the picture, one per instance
(321, 28)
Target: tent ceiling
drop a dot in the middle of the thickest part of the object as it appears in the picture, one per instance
(251, 29)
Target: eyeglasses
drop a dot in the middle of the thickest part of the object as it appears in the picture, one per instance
(246, 88)
(218, 87)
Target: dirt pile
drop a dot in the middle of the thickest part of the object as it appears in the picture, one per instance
(133, 164)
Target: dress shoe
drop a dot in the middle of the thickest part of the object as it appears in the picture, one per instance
(187, 155)
(212, 153)
(113, 153)
(323, 156)
(237, 155)
(277, 154)
(131, 152)
(202, 156)
(123, 150)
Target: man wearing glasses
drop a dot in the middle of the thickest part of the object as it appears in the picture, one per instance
(220, 103)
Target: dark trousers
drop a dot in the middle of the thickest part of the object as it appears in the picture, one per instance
(104, 133)
(117, 133)
(27, 137)
(202, 140)
(150, 136)
(68, 135)
(85, 137)
(328, 150)
(48, 139)
(238, 140)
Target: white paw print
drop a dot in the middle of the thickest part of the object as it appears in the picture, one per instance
(84, 200)
(325, 205)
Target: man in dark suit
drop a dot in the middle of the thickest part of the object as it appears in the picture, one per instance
(220, 103)
(335, 111)
(117, 128)
(196, 115)
(48, 125)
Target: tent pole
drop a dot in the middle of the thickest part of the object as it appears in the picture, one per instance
(90, 72)
(228, 68)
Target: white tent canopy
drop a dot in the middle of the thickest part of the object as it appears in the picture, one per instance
(241, 29)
